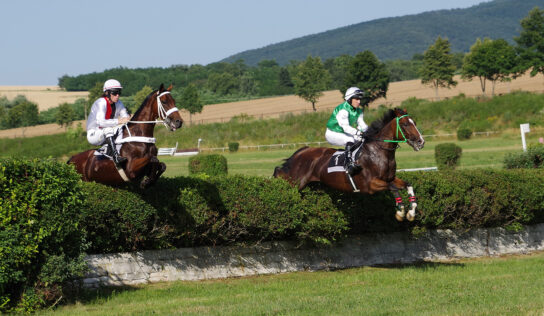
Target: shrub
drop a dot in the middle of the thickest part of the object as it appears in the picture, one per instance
(447, 155)
(464, 133)
(41, 245)
(532, 158)
(212, 165)
(233, 147)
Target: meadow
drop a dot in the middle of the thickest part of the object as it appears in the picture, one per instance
(511, 285)
(478, 152)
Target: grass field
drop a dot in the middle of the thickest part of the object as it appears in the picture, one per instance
(512, 285)
(478, 152)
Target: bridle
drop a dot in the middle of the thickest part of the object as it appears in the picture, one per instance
(163, 114)
(401, 132)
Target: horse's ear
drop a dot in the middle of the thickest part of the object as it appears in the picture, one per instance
(161, 88)
(170, 88)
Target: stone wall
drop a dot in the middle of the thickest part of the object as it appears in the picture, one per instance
(278, 257)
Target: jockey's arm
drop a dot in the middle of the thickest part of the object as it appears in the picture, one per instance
(343, 121)
(101, 120)
(361, 125)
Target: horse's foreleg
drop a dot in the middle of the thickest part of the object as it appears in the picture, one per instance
(156, 169)
(400, 184)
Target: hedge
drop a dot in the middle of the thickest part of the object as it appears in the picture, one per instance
(41, 243)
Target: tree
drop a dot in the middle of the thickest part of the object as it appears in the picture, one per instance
(65, 115)
(493, 60)
(22, 115)
(531, 42)
(311, 79)
(438, 69)
(190, 100)
(140, 97)
(94, 93)
(367, 73)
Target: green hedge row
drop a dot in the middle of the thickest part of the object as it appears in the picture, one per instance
(50, 218)
(41, 240)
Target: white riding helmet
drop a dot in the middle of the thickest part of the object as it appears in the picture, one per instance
(111, 84)
(353, 92)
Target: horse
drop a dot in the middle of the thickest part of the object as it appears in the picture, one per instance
(137, 145)
(376, 156)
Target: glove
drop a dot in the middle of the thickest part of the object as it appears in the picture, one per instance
(358, 136)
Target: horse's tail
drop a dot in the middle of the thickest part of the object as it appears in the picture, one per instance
(284, 169)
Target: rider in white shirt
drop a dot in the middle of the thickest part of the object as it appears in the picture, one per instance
(107, 115)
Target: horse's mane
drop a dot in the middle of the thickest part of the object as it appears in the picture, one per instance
(376, 126)
(144, 103)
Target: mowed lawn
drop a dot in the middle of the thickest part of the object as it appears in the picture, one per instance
(512, 285)
(478, 152)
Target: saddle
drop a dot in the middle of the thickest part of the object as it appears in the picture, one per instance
(338, 159)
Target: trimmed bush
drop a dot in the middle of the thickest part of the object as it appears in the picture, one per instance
(233, 147)
(447, 155)
(41, 244)
(532, 158)
(210, 164)
(464, 133)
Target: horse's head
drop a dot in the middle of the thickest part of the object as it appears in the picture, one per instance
(406, 130)
(166, 108)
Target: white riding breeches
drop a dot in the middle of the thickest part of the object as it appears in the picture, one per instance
(98, 136)
(338, 139)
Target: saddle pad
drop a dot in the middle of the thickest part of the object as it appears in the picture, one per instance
(336, 164)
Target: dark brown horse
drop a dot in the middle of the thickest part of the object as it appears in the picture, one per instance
(376, 157)
(138, 145)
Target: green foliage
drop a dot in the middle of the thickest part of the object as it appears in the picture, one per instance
(532, 158)
(65, 115)
(493, 60)
(478, 198)
(447, 155)
(209, 164)
(464, 133)
(140, 97)
(367, 73)
(40, 242)
(190, 100)
(438, 69)
(233, 147)
(531, 42)
(311, 78)
(21, 113)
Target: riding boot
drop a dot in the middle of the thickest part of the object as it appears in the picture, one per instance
(351, 167)
(112, 150)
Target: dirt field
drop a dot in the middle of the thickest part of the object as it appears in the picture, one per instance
(270, 107)
(45, 97)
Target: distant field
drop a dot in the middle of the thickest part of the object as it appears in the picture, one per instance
(45, 97)
(273, 106)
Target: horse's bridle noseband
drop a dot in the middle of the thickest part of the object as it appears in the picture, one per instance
(401, 132)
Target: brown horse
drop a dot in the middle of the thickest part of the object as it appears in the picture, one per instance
(376, 156)
(138, 145)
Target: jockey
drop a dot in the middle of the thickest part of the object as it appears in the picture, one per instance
(341, 130)
(107, 115)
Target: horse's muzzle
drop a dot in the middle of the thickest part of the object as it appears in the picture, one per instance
(174, 124)
(417, 144)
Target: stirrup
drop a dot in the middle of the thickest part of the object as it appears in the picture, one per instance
(352, 169)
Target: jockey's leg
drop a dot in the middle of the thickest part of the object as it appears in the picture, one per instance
(351, 167)
(112, 147)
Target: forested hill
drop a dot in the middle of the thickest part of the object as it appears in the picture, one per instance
(402, 37)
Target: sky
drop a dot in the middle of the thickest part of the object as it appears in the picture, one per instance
(44, 40)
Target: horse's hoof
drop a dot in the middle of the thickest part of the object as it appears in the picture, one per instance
(411, 216)
(399, 216)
